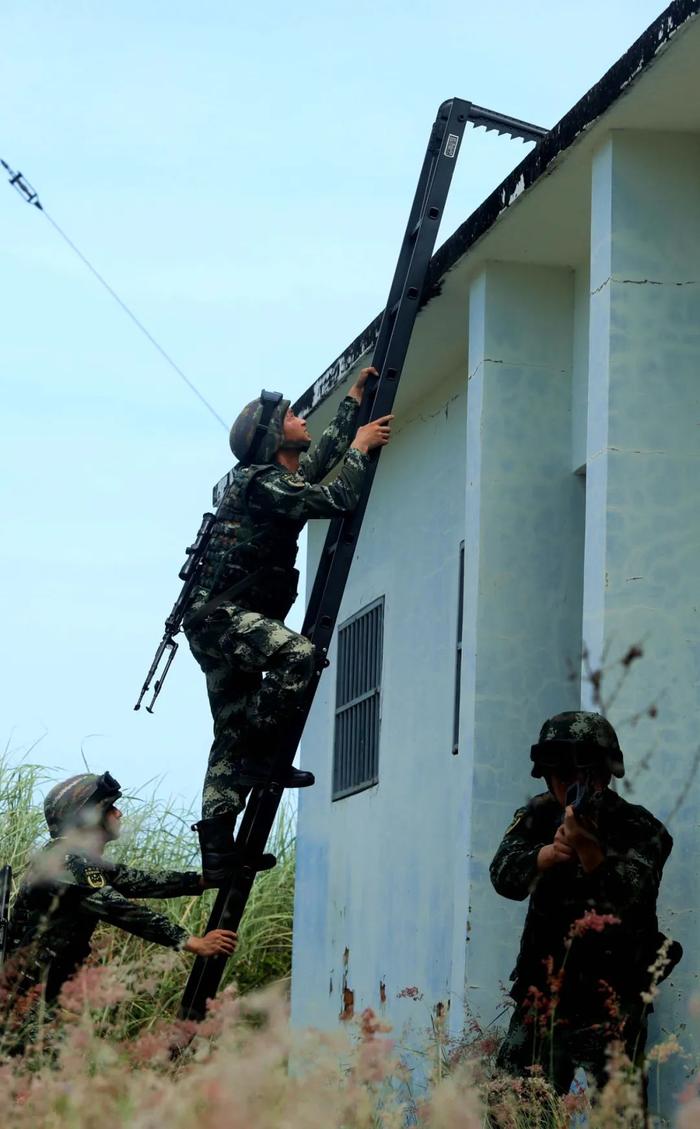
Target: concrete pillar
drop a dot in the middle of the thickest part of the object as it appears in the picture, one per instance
(524, 545)
(643, 470)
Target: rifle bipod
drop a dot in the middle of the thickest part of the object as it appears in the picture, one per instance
(390, 351)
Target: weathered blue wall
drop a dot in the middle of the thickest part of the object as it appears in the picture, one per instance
(591, 367)
(375, 870)
(642, 578)
(524, 536)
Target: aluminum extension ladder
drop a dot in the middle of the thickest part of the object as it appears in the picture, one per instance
(336, 559)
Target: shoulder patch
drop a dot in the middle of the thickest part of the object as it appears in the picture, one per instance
(94, 877)
(516, 820)
(86, 873)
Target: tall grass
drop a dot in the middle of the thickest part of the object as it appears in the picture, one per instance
(106, 1056)
(157, 836)
(244, 1067)
(22, 823)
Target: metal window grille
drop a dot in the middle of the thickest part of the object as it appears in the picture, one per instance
(358, 684)
(458, 659)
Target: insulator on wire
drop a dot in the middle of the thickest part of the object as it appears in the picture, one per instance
(22, 185)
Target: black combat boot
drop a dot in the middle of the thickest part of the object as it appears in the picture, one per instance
(220, 854)
(254, 772)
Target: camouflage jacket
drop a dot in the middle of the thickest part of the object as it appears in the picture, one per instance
(626, 885)
(63, 898)
(263, 512)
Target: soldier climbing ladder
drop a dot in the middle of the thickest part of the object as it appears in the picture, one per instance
(406, 292)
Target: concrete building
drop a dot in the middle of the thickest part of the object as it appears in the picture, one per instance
(540, 496)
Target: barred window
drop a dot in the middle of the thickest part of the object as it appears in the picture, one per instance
(358, 684)
(458, 659)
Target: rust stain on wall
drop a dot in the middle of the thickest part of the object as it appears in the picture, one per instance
(348, 1006)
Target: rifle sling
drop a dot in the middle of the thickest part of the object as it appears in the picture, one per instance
(223, 598)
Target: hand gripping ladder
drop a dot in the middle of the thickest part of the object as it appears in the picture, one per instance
(389, 355)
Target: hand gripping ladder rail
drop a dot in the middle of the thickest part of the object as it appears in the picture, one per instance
(389, 356)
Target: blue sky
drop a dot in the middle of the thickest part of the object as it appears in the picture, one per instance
(241, 174)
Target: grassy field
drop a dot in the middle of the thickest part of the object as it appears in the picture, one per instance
(158, 837)
(115, 1056)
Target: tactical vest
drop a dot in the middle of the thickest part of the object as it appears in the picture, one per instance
(243, 547)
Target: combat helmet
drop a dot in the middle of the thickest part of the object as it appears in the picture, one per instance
(79, 801)
(575, 740)
(258, 432)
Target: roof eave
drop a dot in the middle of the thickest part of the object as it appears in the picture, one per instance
(535, 165)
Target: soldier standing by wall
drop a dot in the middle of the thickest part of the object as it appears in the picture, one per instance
(274, 490)
(71, 886)
(591, 932)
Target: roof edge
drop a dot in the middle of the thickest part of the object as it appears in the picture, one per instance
(582, 115)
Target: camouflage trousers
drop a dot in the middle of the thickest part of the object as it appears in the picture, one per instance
(235, 648)
(579, 1042)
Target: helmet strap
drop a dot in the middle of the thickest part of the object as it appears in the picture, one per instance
(269, 401)
(294, 445)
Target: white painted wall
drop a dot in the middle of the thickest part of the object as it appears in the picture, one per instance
(594, 365)
(642, 571)
(374, 870)
(523, 593)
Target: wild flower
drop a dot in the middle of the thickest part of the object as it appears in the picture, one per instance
(455, 1103)
(536, 1006)
(657, 969)
(374, 1054)
(590, 922)
(620, 1104)
(93, 989)
(525, 1103)
(113, 1055)
(662, 1052)
(244, 1066)
(616, 1017)
(688, 1115)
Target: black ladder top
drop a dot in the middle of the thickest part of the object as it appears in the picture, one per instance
(388, 358)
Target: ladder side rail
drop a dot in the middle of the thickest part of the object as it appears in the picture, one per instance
(451, 116)
(415, 217)
(231, 900)
(383, 336)
(319, 624)
(451, 120)
(263, 802)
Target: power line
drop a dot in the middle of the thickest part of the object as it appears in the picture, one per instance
(30, 196)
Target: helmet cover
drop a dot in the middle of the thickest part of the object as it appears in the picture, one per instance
(245, 428)
(576, 740)
(67, 804)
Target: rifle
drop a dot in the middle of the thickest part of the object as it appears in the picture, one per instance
(189, 573)
(5, 891)
(578, 794)
(585, 801)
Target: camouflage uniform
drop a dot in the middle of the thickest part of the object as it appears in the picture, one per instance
(255, 543)
(626, 884)
(55, 913)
